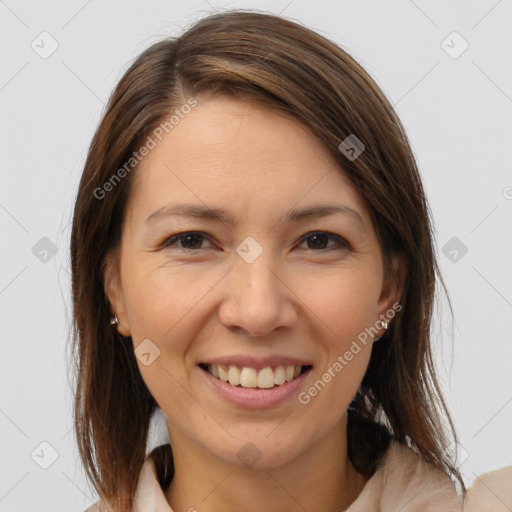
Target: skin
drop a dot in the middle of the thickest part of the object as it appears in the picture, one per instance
(202, 300)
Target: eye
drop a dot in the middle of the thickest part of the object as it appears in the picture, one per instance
(318, 240)
(190, 240)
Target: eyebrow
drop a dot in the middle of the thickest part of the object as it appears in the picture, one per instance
(199, 211)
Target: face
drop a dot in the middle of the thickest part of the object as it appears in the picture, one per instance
(247, 254)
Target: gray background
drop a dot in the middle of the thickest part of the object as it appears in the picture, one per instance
(456, 108)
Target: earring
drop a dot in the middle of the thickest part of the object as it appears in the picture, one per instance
(385, 325)
(114, 321)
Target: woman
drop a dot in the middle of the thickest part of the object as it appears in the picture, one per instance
(252, 254)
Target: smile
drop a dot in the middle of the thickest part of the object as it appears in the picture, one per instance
(248, 377)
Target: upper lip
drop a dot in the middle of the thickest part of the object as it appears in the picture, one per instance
(256, 362)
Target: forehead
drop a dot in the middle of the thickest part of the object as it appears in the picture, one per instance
(241, 155)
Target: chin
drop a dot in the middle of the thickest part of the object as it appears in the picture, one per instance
(259, 447)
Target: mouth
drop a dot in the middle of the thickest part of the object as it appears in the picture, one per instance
(267, 377)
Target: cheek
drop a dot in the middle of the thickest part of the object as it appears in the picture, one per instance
(161, 300)
(169, 307)
(344, 302)
(165, 308)
(343, 308)
(338, 376)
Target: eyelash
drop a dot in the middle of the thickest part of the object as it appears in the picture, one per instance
(342, 243)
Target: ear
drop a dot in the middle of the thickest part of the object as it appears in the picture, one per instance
(392, 288)
(114, 292)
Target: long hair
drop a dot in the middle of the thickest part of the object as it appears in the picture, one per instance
(288, 67)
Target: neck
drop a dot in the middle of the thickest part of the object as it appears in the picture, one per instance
(321, 479)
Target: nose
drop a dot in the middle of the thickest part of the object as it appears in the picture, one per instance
(257, 299)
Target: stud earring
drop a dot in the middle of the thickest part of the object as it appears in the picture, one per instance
(114, 321)
(385, 325)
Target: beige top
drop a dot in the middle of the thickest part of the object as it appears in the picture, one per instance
(402, 482)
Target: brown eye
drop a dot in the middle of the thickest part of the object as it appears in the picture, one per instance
(190, 240)
(319, 241)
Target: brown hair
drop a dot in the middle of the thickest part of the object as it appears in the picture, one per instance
(247, 54)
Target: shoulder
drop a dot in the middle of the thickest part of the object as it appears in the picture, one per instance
(405, 481)
(491, 492)
(99, 506)
(149, 495)
(96, 507)
(410, 483)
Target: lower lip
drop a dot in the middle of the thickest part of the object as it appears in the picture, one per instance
(255, 398)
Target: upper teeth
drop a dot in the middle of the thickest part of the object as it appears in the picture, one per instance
(251, 378)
